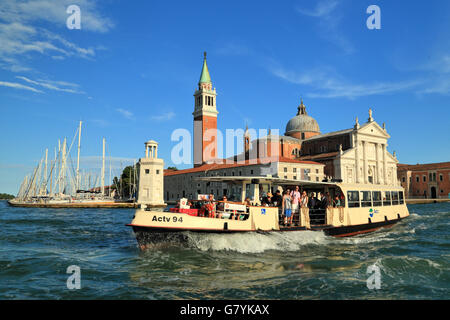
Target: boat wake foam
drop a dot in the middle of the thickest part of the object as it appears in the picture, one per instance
(256, 242)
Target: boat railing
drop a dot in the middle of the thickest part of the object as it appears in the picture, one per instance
(213, 209)
(317, 216)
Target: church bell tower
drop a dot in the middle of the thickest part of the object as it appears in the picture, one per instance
(205, 119)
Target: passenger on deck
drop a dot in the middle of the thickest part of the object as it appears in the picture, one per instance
(221, 207)
(287, 208)
(295, 197)
(247, 202)
(336, 202)
(312, 201)
(342, 199)
(277, 199)
(304, 209)
(323, 201)
(267, 200)
(304, 200)
(211, 207)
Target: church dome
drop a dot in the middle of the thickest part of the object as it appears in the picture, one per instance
(302, 123)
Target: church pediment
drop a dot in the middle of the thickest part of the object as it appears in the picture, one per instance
(348, 154)
(373, 129)
(391, 157)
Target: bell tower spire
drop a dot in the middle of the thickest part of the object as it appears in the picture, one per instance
(205, 119)
(205, 78)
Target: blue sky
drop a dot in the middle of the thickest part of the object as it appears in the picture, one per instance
(131, 71)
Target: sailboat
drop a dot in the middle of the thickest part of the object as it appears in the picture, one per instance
(62, 187)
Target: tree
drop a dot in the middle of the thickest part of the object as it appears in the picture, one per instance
(5, 196)
(172, 168)
(127, 183)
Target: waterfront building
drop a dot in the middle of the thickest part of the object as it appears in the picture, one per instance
(354, 155)
(428, 181)
(151, 171)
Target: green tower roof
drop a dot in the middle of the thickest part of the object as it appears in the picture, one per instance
(204, 77)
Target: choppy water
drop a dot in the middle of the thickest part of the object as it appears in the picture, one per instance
(37, 246)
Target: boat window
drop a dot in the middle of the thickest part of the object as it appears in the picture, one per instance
(366, 199)
(394, 198)
(402, 201)
(250, 191)
(353, 199)
(376, 196)
(264, 189)
(235, 194)
(387, 198)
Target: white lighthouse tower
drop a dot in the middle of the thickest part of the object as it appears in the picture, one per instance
(151, 176)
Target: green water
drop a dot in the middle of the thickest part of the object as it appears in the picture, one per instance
(37, 246)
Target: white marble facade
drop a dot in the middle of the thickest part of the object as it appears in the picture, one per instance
(367, 161)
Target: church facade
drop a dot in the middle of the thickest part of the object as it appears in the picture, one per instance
(354, 155)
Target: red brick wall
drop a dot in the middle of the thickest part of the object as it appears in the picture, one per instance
(208, 123)
(298, 135)
(443, 185)
(418, 188)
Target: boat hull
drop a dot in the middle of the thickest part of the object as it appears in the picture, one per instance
(73, 204)
(350, 231)
(146, 235)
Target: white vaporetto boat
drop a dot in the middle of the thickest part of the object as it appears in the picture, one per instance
(365, 208)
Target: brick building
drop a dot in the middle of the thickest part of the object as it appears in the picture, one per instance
(357, 155)
(429, 181)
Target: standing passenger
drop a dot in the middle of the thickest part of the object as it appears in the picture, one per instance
(336, 202)
(277, 199)
(287, 207)
(295, 196)
(304, 209)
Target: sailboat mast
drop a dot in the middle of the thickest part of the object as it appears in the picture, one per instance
(103, 169)
(110, 181)
(78, 159)
(51, 175)
(46, 172)
(63, 167)
(58, 179)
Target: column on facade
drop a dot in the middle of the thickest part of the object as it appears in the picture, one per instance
(377, 169)
(384, 163)
(357, 174)
(365, 169)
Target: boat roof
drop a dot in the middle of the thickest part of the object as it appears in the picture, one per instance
(265, 179)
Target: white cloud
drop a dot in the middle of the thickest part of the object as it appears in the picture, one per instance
(322, 9)
(437, 69)
(16, 85)
(164, 117)
(233, 49)
(326, 84)
(329, 20)
(438, 86)
(51, 85)
(54, 12)
(100, 122)
(20, 37)
(127, 114)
